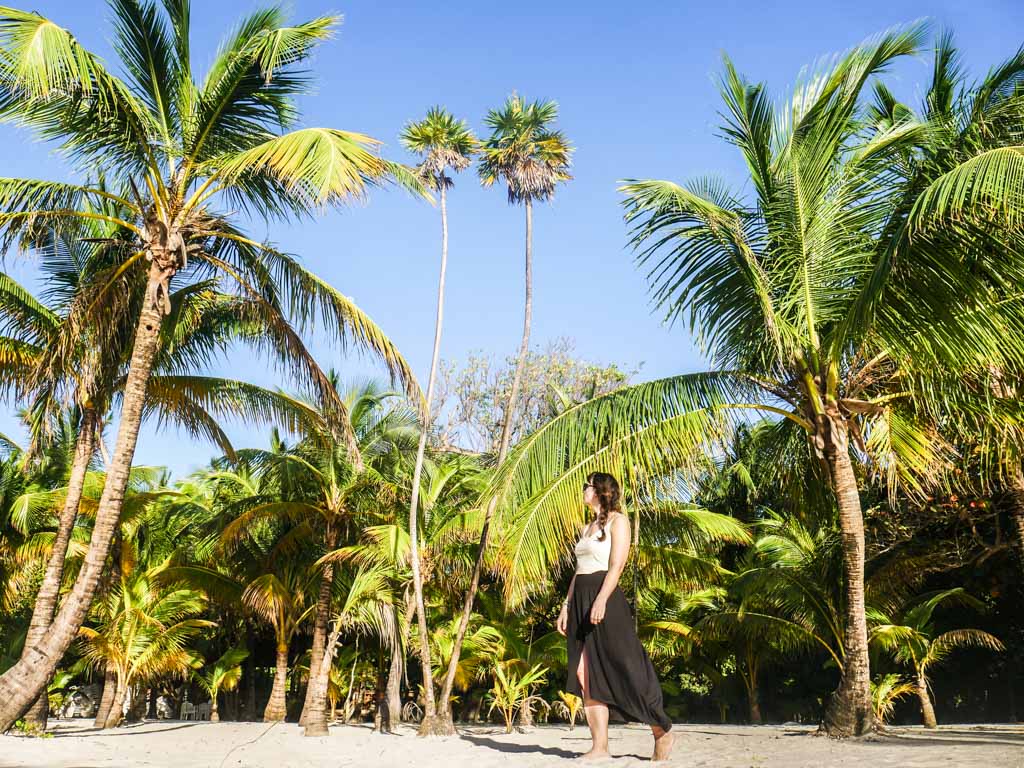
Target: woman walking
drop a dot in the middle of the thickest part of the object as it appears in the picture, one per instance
(608, 667)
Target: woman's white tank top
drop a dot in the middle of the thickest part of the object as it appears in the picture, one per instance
(593, 555)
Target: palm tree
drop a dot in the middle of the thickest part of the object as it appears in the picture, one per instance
(224, 674)
(281, 598)
(365, 607)
(911, 639)
(318, 484)
(204, 324)
(531, 158)
(182, 147)
(446, 144)
(450, 485)
(144, 625)
(800, 297)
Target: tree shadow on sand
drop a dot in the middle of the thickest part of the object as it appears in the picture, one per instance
(132, 729)
(512, 748)
(504, 746)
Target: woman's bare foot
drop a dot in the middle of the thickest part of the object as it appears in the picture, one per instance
(663, 746)
(595, 754)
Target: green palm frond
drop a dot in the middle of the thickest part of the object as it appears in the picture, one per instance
(990, 184)
(318, 166)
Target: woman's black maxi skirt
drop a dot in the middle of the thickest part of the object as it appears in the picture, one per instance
(618, 670)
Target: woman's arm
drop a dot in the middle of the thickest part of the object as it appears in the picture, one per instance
(563, 615)
(618, 528)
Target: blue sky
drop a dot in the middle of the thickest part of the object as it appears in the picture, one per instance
(636, 86)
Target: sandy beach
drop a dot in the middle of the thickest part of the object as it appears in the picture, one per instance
(255, 745)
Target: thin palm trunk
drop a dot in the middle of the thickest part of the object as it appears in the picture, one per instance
(927, 710)
(214, 714)
(506, 433)
(23, 682)
(750, 682)
(430, 724)
(351, 684)
(849, 712)
(397, 669)
(107, 697)
(49, 590)
(277, 705)
(250, 674)
(323, 617)
(1017, 513)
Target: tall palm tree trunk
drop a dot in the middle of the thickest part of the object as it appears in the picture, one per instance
(849, 712)
(323, 616)
(430, 724)
(927, 710)
(277, 706)
(23, 682)
(46, 600)
(107, 697)
(506, 434)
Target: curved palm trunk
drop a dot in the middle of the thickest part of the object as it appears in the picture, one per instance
(849, 712)
(107, 697)
(927, 710)
(431, 724)
(323, 616)
(506, 433)
(116, 713)
(277, 707)
(23, 682)
(316, 717)
(49, 590)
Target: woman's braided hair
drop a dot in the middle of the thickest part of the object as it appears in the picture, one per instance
(606, 487)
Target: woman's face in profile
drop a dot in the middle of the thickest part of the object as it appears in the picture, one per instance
(588, 493)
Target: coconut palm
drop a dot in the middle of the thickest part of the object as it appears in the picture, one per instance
(911, 638)
(281, 598)
(800, 298)
(203, 324)
(449, 487)
(321, 485)
(526, 153)
(223, 675)
(142, 631)
(185, 150)
(365, 607)
(446, 144)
